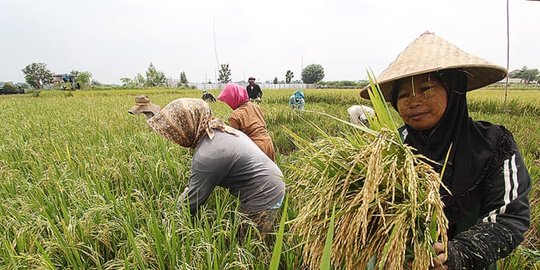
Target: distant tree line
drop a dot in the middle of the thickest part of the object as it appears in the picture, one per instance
(154, 78)
(342, 84)
(38, 76)
(525, 74)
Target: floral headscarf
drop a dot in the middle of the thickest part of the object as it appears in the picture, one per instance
(186, 120)
(234, 95)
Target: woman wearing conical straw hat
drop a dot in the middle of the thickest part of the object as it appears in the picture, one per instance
(487, 206)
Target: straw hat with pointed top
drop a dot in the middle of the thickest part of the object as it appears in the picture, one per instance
(142, 105)
(429, 53)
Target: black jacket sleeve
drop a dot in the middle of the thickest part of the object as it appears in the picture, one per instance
(258, 91)
(505, 216)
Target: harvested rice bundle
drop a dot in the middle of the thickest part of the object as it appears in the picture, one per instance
(386, 198)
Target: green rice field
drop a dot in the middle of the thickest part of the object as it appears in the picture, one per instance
(85, 185)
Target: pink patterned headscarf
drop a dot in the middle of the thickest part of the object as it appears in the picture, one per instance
(234, 95)
(186, 120)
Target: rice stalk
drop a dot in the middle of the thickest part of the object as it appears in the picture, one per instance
(386, 197)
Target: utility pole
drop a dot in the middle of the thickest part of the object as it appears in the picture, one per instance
(215, 47)
(507, 50)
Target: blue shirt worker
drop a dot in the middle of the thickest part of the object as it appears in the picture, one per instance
(296, 101)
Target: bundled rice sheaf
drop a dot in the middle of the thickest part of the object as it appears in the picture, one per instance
(386, 198)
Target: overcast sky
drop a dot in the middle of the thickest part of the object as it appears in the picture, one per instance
(119, 38)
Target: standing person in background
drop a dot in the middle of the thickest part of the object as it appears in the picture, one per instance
(486, 202)
(254, 90)
(247, 117)
(222, 156)
(296, 101)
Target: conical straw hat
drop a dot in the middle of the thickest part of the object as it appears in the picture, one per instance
(143, 104)
(429, 53)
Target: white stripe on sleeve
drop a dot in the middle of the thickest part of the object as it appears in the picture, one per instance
(514, 178)
(510, 177)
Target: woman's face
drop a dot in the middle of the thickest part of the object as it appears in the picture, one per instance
(421, 101)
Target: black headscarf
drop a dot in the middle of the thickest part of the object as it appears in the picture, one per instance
(473, 145)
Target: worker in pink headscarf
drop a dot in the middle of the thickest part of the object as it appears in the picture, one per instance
(247, 117)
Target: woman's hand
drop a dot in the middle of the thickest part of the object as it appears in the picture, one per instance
(183, 195)
(438, 262)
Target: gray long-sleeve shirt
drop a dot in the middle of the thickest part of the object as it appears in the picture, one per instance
(235, 163)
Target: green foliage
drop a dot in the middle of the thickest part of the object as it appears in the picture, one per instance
(154, 77)
(37, 75)
(288, 76)
(525, 74)
(529, 75)
(139, 80)
(84, 78)
(386, 199)
(35, 93)
(103, 194)
(342, 84)
(224, 73)
(80, 79)
(278, 246)
(327, 252)
(127, 82)
(183, 78)
(312, 73)
(275, 80)
(521, 258)
(10, 88)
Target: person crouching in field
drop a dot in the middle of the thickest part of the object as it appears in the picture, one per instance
(247, 117)
(358, 114)
(144, 106)
(208, 97)
(486, 202)
(296, 101)
(224, 157)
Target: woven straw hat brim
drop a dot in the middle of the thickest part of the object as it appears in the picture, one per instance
(429, 53)
(139, 108)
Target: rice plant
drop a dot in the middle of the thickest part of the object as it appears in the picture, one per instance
(386, 197)
(84, 185)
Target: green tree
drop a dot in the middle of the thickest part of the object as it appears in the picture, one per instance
(224, 74)
(288, 76)
(37, 75)
(139, 80)
(127, 82)
(529, 75)
(154, 77)
(312, 73)
(183, 78)
(275, 80)
(515, 73)
(81, 78)
(10, 88)
(84, 78)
